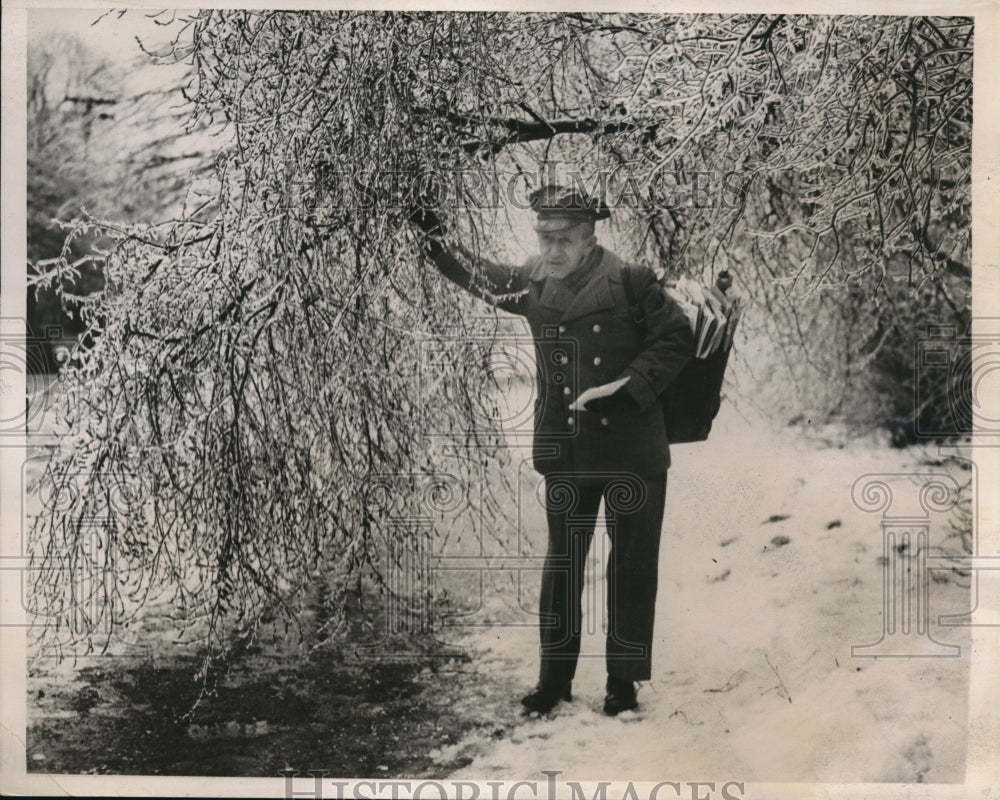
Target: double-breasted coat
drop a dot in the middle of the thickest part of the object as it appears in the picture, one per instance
(585, 335)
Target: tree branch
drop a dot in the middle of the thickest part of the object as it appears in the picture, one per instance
(520, 130)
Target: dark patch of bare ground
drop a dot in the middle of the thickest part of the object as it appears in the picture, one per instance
(272, 707)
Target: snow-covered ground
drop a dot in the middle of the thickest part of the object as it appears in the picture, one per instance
(769, 573)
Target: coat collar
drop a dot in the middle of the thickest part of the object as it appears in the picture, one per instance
(594, 294)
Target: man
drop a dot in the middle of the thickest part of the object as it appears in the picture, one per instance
(599, 430)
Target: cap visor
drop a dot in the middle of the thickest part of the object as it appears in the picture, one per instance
(553, 224)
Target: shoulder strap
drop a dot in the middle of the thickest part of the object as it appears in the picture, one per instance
(627, 283)
(628, 276)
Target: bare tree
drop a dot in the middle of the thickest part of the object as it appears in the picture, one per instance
(71, 94)
(97, 149)
(258, 369)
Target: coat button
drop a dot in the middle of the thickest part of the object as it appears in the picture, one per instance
(597, 328)
(566, 390)
(597, 361)
(604, 421)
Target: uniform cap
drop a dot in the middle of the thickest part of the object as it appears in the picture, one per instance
(558, 208)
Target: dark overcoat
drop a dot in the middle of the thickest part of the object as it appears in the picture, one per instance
(586, 334)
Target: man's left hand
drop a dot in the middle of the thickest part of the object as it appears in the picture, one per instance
(608, 397)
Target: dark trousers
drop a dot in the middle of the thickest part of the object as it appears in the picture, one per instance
(634, 516)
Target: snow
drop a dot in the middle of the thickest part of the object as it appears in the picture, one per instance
(770, 573)
(753, 673)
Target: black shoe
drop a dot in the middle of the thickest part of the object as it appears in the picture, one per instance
(545, 696)
(620, 697)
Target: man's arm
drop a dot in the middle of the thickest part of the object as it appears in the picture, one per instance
(501, 285)
(668, 344)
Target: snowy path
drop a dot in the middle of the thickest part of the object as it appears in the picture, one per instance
(754, 678)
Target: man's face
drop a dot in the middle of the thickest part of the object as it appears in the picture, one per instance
(563, 251)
